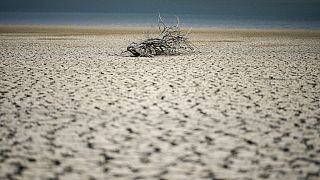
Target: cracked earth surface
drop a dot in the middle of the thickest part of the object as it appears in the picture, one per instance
(245, 107)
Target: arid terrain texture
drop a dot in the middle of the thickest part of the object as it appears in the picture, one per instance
(245, 105)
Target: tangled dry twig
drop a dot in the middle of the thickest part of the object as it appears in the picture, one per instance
(170, 42)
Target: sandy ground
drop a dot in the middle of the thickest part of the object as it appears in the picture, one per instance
(246, 106)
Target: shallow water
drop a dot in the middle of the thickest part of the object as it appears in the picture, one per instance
(127, 19)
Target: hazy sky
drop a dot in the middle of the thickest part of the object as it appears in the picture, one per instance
(299, 9)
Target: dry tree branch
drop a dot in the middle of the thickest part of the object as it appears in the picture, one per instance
(178, 21)
(170, 42)
(161, 21)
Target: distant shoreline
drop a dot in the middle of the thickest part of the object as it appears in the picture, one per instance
(106, 30)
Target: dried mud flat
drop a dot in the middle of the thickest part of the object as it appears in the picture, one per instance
(245, 107)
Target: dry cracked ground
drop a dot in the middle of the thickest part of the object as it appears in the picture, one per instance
(246, 106)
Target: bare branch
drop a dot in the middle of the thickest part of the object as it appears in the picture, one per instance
(161, 21)
(169, 42)
(189, 31)
(177, 18)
